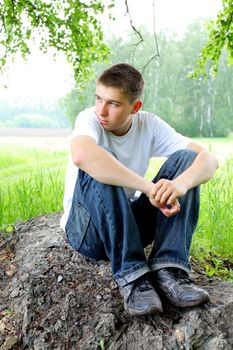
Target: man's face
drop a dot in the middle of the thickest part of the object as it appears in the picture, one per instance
(114, 110)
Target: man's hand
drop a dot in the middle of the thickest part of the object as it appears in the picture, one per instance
(164, 195)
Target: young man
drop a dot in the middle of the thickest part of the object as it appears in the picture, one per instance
(110, 150)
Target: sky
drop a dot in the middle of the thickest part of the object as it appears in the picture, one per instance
(172, 14)
(42, 76)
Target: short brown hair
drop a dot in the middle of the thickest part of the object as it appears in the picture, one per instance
(124, 77)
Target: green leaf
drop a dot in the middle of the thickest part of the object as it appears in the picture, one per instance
(72, 27)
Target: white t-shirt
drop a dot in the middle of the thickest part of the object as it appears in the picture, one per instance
(149, 136)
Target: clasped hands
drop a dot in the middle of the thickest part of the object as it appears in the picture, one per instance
(165, 193)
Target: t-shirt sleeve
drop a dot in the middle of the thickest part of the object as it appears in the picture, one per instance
(87, 124)
(166, 139)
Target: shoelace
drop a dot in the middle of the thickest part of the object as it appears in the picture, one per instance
(183, 278)
(143, 284)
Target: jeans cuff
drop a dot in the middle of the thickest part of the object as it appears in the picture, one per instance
(130, 275)
(157, 264)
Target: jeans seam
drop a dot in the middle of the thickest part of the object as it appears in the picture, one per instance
(106, 211)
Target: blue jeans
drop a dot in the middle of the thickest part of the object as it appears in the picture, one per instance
(104, 225)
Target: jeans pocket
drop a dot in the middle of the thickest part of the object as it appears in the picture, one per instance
(82, 234)
(77, 225)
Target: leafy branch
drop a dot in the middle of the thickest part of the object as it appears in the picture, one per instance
(71, 27)
(220, 37)
(140, 36)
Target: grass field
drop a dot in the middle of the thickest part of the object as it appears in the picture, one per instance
(32, 174)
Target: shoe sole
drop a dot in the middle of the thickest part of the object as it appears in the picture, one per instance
(190, 304)
(183, 304)
(152, 311)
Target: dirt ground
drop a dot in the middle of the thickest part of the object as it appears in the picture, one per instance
(52, 298)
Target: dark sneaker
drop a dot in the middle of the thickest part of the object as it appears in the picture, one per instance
(140, 298)
(178, 288)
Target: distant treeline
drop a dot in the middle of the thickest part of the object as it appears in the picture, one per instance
(32, 112)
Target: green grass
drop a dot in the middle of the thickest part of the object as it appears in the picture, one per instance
(215, 226)
(32, 184)
(222, 147)
(212, 242)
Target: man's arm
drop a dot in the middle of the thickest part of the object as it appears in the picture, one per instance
(167, 192)
(104, 167)
(202, 169)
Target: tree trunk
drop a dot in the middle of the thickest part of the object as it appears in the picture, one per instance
(210, 99)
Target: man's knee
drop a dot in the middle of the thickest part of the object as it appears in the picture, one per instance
(183, 156)
(176, 164)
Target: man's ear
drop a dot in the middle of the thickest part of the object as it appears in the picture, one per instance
(137, 105)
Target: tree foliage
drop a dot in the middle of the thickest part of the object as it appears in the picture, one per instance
(220, 37)
(69, 26)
